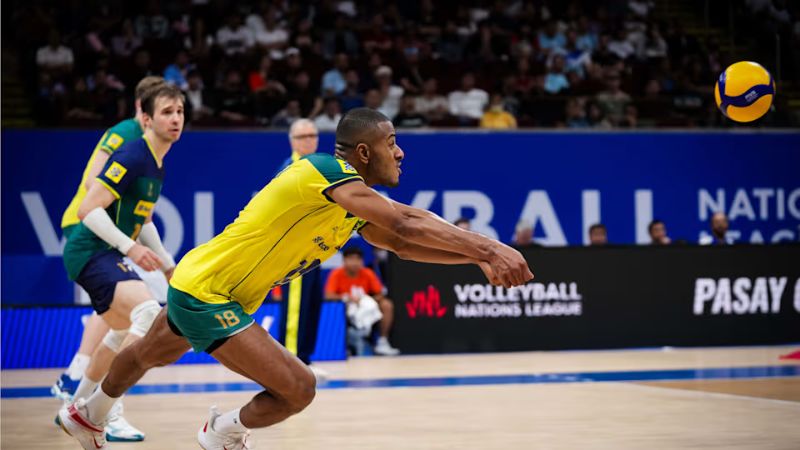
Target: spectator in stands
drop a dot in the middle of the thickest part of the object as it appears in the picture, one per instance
(272, 36)
(376, 39)
(372, 99)
(556, 81)
(339, 39)
(331, 115)
(333, 81)
(463, 223)
(576, 59)
(234, 104)
(658, 233)
(719, 231)
(300, 89)
(153, 24)
(408, 117)
(411, 78)
(496, 117)
(551, 38)
(641, 8)
(598, 236)
(234, 38)
(176, 72)
(390, 92)
(575, 113)
(353, 283)
(288, 115)
(431, 104)
(621, 46)
(351, 97)
(468, 103)
(587, 35)
(124, 44)
(196, 98)
(597, 118)
(54, 58)
(655, 47)
(613, 100)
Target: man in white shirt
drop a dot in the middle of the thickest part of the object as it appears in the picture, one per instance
(468, 102)
(55, 57)
(330, 117)
(234, 38)
(390, 92)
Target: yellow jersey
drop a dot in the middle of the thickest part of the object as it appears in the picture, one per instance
(287, 229)
(126, 131)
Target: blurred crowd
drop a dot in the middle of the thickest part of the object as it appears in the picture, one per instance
(492, 64)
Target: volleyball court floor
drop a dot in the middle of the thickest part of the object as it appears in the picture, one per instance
(732, 398)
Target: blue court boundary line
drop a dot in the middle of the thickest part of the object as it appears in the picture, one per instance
(724, 373)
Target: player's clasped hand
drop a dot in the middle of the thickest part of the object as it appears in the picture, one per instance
(506, 267)
(144, 257)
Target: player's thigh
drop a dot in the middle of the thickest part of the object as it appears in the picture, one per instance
(255, 354)
(113, 287)
(161, 345)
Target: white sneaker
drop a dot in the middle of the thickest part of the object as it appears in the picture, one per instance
(212, 440)
(74, 421)
(118, 429)
(384, 348)
(321, 375)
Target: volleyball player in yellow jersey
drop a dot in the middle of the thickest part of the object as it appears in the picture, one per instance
(303, 216)
(98, 346)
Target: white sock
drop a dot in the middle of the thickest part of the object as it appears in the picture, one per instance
(229, 423)
(99, 405)
(85, 388)
(383, 341)
(78, 366)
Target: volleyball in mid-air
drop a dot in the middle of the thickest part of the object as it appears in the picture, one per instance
(744, 91)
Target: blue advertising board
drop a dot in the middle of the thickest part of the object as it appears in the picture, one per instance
(559, 182)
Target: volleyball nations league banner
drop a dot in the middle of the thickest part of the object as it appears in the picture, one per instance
(584, 298)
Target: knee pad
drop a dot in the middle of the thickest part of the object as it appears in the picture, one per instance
(142, 317)
(113, 339)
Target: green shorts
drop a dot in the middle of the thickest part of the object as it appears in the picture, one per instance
(205, 325)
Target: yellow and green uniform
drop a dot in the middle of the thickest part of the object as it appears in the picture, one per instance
(126, 131)
(287, 229)
(134, 175)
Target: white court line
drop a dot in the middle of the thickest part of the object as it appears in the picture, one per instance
(695, 393)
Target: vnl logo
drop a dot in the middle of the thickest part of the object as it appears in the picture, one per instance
(427, 303)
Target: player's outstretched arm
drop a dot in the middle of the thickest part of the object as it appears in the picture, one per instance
(405, 249)
(92, 213)
(426, 229)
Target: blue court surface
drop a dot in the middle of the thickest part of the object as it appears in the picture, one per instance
(721, 373)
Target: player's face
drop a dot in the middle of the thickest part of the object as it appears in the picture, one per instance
(386, 156)
(167, 121)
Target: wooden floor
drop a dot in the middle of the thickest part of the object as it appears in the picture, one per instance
(735, 413)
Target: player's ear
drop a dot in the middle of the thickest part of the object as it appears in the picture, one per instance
(362, 152)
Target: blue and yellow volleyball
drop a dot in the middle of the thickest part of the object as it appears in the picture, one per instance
(744, 91)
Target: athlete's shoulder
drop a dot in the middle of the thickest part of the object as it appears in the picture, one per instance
(120, 134)
(332, 168)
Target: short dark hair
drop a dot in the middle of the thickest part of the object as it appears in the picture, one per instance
(355, 126)
(350, 251)
(165, 90)
(653, 224)
(145, 84)
(597, 226)
(461, 220)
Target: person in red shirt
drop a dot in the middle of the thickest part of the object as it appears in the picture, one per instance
(353, 281)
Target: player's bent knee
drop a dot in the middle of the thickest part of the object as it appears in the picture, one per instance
(304, 392)
(143, 316)
(113, 339)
